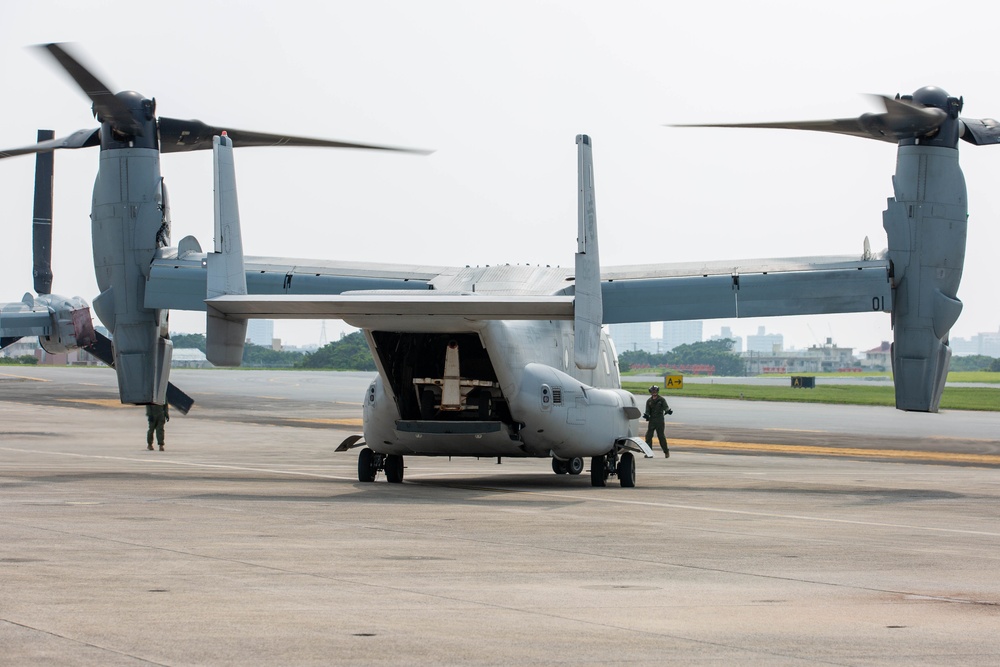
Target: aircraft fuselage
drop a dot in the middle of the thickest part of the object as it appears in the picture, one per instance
(493, 388)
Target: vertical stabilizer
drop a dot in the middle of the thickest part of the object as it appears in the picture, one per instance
(226, 274)
(588, 307)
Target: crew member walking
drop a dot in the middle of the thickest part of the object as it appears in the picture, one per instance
(656, 410)
(157, 416)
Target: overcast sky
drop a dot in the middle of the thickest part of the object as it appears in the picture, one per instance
(500, 90)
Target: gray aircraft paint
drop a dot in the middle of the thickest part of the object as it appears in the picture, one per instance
(926, 224)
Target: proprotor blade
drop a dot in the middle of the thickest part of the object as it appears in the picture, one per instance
(103, 349)
(10, 340)
(108, 107)
(79, 139)
(900, 121)
(193, 135)
(41, 224)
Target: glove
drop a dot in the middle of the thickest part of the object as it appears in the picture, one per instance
(669, 411)
(645, 416)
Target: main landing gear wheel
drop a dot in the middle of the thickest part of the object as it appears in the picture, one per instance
(574, 466)
(626, 470)
(598, 473)
(394, 468)
(559, 467)
(367, 465)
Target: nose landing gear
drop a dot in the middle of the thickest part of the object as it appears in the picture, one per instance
(370, 463)
(609, 465)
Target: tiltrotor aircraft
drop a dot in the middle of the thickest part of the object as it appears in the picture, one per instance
(504, 361)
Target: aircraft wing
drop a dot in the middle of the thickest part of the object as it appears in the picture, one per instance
(303, 289)
(178, 280)
(18, 320)
(745, 288)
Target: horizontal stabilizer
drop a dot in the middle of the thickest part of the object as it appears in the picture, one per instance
(404, 304)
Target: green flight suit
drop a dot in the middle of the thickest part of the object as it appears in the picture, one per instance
(157, 416)
(656, 410)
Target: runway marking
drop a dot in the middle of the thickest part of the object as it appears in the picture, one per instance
(772, 515)
(950, 457)
(501, 489)
(794, 430)
(23, 377)
(334, 422)
(100, 402)
(175, 462)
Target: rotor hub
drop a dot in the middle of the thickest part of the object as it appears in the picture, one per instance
(937, 98)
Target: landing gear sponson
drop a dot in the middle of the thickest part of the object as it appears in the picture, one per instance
(573, 466)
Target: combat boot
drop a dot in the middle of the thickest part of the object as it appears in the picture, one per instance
(149, 446)
(161, 448)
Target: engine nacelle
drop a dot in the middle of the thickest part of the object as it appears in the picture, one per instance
(926, 226)
(563, 416)
(130, 223)
(72, 326)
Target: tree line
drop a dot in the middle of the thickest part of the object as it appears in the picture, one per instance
(718, 353)
(351, 353)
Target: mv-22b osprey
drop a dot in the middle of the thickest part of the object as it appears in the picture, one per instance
(505, 360)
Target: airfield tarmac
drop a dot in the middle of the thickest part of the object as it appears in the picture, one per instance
(250, 541)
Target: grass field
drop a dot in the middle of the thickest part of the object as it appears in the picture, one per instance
(954, 398)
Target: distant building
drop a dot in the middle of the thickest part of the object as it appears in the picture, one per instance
(29, 347)
(25, 347)
(261, 332)
(189, 357)
(727, 332)
(963, 347)
(989, 344)
(817, 359)
(680, 333)
(765, 343)
(633, 336)
(986, 344)
(878, 358)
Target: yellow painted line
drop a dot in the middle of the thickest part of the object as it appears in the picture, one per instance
(793, 430)
(23, 377)
(334, 422)
(991, 459)
(100, 402)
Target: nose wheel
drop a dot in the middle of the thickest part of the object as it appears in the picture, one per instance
(371, 463)
(610, 465)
